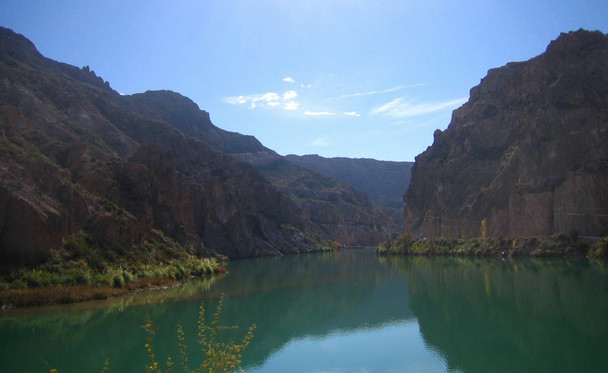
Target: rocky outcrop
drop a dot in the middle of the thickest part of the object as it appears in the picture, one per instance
(74, 157)
(526, 155)
(185, 115)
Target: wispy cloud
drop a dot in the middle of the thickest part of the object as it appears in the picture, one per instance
(352, 114)
(320, 142)
(289, 79)
(398, 108)
(370, 93)
(318, 113)
(264, 97)
(269, 100)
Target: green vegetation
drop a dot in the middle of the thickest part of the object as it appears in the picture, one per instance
(542, 246)
(599, 249)
(218, 356)
(83, 269)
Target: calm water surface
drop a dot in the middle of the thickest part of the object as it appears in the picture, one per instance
(344, 312)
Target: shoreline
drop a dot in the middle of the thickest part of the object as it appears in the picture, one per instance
(556, 246)
(12, 299)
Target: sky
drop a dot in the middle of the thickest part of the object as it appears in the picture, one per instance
(338, 78)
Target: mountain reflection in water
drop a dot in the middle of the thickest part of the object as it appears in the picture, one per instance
(344, 311)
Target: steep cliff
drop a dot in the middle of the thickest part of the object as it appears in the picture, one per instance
(340, 211)
(526, 155)
(74, 158)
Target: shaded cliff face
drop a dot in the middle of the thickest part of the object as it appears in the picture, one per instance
(339, 211)
(528, 152)
(185, 115)
(383, 181)
(74, 157)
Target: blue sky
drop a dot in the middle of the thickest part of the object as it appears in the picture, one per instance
(352, 78)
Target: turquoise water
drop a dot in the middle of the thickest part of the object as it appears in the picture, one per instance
(344, 312)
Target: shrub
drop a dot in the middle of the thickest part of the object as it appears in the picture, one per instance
(599, 249)
(218, 356)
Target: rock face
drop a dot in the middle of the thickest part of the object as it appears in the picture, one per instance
(383, 181)
(341, 212)
(74, 157)
(527, 154)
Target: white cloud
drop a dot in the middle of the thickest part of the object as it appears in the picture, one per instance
(305, 85)
(291, 105)
(352, 114)
(235, 100)
(268, 97)
(289, 95)
(398, 108)
(320, 142)
(369, 93)
(271, 99)
(318, 113)
(289, 79)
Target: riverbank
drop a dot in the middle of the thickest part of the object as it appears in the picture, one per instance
(39, 296)
(541, 246)
(82, 270)
(48, 295)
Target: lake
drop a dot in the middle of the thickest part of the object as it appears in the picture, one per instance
(347, 311)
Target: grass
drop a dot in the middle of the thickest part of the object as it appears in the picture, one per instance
(83, 269)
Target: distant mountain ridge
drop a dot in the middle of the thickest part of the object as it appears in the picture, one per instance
(526, 155)
(384, 181)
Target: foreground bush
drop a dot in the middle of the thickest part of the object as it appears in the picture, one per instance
(218, 356)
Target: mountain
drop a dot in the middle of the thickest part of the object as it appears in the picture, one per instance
(384, 181)
(80, 161)
(75, 159)
(342, 212)
(526, 155)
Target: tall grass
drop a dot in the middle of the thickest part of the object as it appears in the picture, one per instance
(83, 264)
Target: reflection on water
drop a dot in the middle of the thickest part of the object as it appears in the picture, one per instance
(512, 316)
(346, 311)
